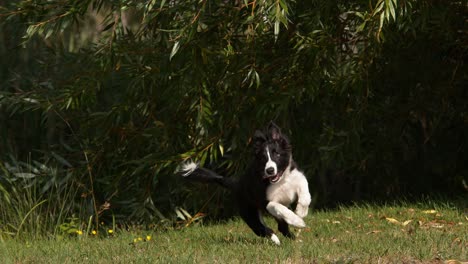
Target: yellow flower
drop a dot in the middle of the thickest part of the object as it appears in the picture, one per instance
(140, 239)
(94, 232)
(110, 231)
(148, 238)
(79, 232)
(135, 240)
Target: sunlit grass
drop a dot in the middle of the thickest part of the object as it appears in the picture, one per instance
(359, 234)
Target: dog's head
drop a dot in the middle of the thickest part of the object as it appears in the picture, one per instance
(272, 153)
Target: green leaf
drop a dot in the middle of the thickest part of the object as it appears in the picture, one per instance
(49, 33)
(361, 27)
(108, 26)
(175, 48)
(284, 6)
(379, 7)
(387, 12)
(61, 159)
(382, 19)
(277, 28)
(221, 149)
(25, 175)
(182, 214)
(257, 79)
(392, 9)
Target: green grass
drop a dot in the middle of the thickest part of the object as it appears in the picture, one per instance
(357, 234)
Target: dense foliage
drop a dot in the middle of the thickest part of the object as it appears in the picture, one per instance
(101, 100)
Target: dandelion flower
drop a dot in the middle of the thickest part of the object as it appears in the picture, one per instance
(135, 240)
(148, 238)
(110, 231)
(94, 232)
(79, 232)
(140, 239)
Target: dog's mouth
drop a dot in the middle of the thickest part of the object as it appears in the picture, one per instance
(274, 178)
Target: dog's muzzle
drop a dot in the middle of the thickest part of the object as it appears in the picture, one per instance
(273, 178)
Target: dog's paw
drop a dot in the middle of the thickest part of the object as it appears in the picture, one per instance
(275, 239)
(280, 211)
(188, 168)
(295, 221)
(301, 211)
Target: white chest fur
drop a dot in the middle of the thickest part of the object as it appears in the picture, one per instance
(292, 187)
(288, 189)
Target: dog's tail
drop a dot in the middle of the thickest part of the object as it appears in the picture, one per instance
(192, 171)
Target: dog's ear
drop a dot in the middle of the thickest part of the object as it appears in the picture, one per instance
(259, 137)
(274, 131)
(258, 140)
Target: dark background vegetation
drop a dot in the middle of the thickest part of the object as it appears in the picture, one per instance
(101, 100)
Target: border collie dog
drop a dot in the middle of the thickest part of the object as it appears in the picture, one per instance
(272, 183)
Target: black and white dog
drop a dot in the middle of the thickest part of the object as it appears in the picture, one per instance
(273, 182)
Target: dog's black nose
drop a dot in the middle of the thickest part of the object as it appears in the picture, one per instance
(270, 170)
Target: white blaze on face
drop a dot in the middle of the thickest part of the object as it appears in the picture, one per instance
(270, 164)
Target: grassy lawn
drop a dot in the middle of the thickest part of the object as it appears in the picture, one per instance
(416, 233)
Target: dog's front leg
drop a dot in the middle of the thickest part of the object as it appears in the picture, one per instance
(304, 199)
(280, 211)
(302, 206)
